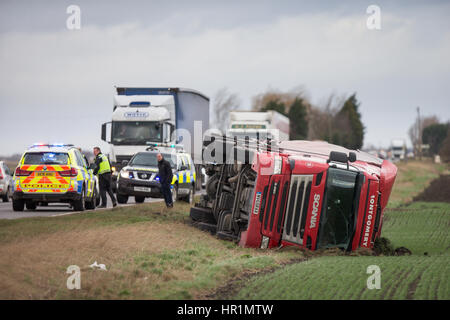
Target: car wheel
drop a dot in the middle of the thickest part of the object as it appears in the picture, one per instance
(7, 195)
(18, 205)
(139, 199)
(90, 205)
(190, 197)
(78, 205)
(174, 191)
(122, 199)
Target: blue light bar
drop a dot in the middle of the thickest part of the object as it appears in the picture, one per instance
(140, 104)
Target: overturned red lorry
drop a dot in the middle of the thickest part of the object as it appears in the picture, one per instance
(310, 194)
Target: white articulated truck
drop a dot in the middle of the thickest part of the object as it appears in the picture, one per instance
(144, 117)
(398, 148)
(269, 124)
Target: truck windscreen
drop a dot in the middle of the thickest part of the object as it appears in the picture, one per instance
(336, 221)
(135, 132)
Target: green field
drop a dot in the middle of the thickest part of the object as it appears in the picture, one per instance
(421, 227)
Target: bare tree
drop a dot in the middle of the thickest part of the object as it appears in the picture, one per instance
(287, 98)
(224, 102)
(415, 135)
(321, 117)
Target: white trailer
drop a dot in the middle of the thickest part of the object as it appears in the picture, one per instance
(398, 149)
(269, 124)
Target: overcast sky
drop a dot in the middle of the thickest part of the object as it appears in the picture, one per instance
(57, 84)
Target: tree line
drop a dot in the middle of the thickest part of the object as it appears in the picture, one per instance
(338, 121)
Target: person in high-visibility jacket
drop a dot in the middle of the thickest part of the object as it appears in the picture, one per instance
(103, 169)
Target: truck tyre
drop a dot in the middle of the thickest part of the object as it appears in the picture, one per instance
(122, 199)
(139, 199)
(18, 205)
(212, 228)
(79, 205)
(211, 186)
(200, 214)
(31, 205)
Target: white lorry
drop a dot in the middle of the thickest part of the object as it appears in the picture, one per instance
(398, 149)
(269, 124)
(144, 117)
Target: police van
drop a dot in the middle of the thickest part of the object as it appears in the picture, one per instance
(139, 177)
(49, 173)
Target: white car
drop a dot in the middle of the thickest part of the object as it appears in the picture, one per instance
(5, 182)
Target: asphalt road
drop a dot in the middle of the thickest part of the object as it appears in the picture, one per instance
(53, 209)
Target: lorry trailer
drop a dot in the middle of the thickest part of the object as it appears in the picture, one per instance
(259, 125)
(144, 117)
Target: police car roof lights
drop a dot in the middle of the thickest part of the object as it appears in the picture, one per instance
(140, 104)
(51, 145)
(154, 146)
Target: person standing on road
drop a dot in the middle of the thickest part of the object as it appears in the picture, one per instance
(165, 178)
(103, 169)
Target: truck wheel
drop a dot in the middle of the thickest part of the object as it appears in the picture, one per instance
(79, 205)
(212, 228)
(31, 205)
(139, 199)
(211, 186)
(122, 199)
(18, 205)
(202, 215)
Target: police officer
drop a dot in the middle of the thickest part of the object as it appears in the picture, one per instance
(165, 178)
(103, 169)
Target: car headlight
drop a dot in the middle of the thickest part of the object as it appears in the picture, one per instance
(125, 174)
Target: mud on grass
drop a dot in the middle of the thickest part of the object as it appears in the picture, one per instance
(437, 191)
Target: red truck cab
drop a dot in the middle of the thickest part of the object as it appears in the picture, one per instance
(305, 197)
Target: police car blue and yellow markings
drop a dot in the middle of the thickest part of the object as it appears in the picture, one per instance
(51, 178)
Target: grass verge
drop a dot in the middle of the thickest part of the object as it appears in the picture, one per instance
(150, 253)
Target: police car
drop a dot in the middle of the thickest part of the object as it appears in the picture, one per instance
(49, 173)
(139, 177)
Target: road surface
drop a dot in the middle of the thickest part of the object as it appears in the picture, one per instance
(53, 209)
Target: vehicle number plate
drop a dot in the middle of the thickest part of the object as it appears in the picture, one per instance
(45, 174)
(142, 189)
